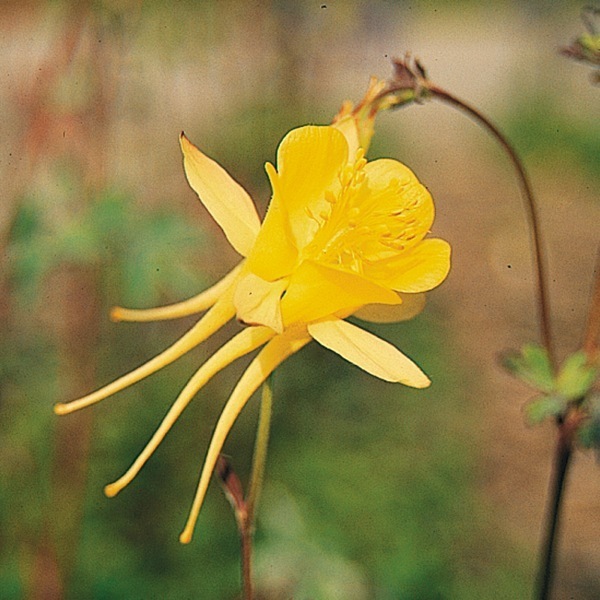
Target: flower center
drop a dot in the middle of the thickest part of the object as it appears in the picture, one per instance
(361, 225)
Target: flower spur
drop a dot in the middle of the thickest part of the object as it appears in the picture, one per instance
(342, 236)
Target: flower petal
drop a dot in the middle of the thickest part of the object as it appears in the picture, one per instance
(408, 198)
(188, 307)
(213, 320)
(419, 270)
(274, 253)
(269, 358)
(225, 199)
(257, 301)
(309, 160)
(316, 291)
(412, 305)
(247, 340)
(347, 125)
(369, 352)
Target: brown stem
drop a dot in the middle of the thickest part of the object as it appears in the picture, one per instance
(592, 330)
(532, 212)
(567, 429)
(563, 453)
(246, 540)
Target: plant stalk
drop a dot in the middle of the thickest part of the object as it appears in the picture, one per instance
(260, 448)
(592, 331)
(530, 204)
(246, 522)
(562, 460)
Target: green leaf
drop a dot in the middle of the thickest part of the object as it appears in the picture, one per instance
(589, 432)
(531, 365)
(576, 376)
(544, 407)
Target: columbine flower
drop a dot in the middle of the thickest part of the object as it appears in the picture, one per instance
(341, 237)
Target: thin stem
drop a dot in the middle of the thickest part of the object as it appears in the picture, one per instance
(564, 448)
(592, 330)
(562, 461)
(246, 523)
(260, 448)
(246, 541)
(532, 212)
(565, 431)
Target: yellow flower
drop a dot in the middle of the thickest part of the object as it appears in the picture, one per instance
(341, 237)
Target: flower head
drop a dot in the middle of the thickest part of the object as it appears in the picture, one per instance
(342, 236)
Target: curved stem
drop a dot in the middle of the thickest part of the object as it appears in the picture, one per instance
(564, 443)
(532, 212)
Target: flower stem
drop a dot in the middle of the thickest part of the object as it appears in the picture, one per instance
(256, 480)
(563, 450)
(592, 330)
(246, 540)
(532, 212)
(260, 448)
(562, 460)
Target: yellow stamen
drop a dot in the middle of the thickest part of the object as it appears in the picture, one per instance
(188, 307)
(247, 340)
(213, 320)
(271, 356)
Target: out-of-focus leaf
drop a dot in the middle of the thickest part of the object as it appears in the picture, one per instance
(589, 433)
(531, 365)
(576, 376)
(543, 407)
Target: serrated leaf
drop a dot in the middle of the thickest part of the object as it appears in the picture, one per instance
(545, 407)
(531, 365)
(576, 376)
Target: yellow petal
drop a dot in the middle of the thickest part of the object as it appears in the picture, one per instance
(419, 270)
(347, 125)
(188, 307)
(408, 199)
(213, 320)
(271, 356)
(274, 253)
(368, 352)
(412, 305)
(247, 340)
(225, 199)
(257, 301)
(316, 291)
(309, 160)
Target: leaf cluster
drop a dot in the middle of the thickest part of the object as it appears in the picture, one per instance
(570, 389)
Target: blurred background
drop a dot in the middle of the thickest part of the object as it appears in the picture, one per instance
(373, 491)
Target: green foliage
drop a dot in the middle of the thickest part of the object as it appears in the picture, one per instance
(544, 407)
(111, 233)
(531, 365)
(568, 389)
(576, 376)
(589, 432)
